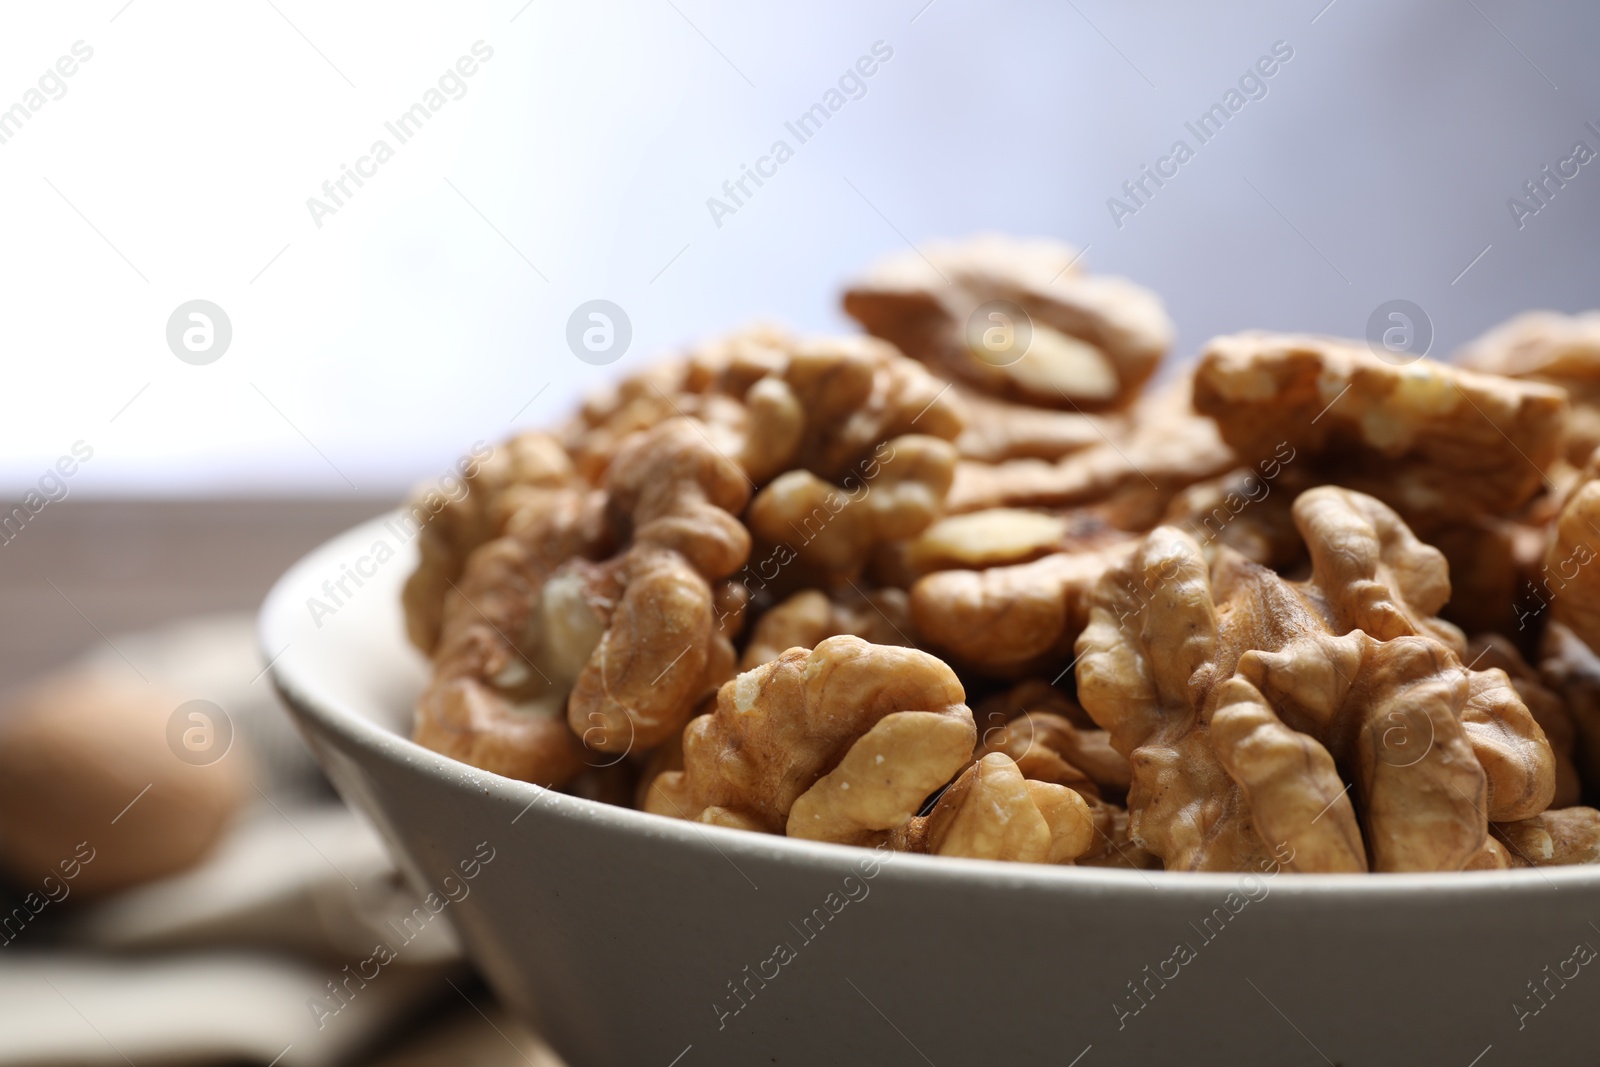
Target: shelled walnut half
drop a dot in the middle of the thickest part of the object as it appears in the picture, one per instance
(1426, 438)
(1556, 349)
(841, 743)
(545, 650)
(1016, 319)
(1258, 712)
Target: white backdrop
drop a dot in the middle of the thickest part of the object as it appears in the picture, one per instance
(430, 310)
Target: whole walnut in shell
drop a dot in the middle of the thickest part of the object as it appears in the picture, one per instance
(92, 793)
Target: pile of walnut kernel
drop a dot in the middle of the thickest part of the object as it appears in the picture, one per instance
(889, 590)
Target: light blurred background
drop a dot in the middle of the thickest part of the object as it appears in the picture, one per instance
(430, 311)
(371, 346)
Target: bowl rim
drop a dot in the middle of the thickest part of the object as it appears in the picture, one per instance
(307, 698)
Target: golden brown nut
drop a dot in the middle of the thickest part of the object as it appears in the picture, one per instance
(998, 430)
(872, 462)
(1094, 340)
(1557, 349)
(1557, 838)
(92, 796)
(1029, 695)
(511, 645)
(833, 531)
(1246, 702)
(659, 652)
(774, 402)
(1426, 438)
(663, 647)
(1161, 448)
(1053, 740)
(492, 489)
(804, 620)
(1049, 748)
(857, 393)
(840, 743)
(993, 812)
(1572, 670)
(1491, 857)
(1492, 563)
(1489, 650)
(1010, 621)
(1570, 580)
(636, 640)
(1249, 509)
(1112, 847)
(997, 537)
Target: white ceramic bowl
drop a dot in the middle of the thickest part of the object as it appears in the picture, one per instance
(630, 939)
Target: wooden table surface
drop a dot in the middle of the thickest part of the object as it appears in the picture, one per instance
(112, 566)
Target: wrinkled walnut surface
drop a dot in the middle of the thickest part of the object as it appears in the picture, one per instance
(1426, 438)
(1204, 627)
(1095, 340)
(633, 639)
(1557, 349)
(839, 743)
(1134, 471)
(1258, 712)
